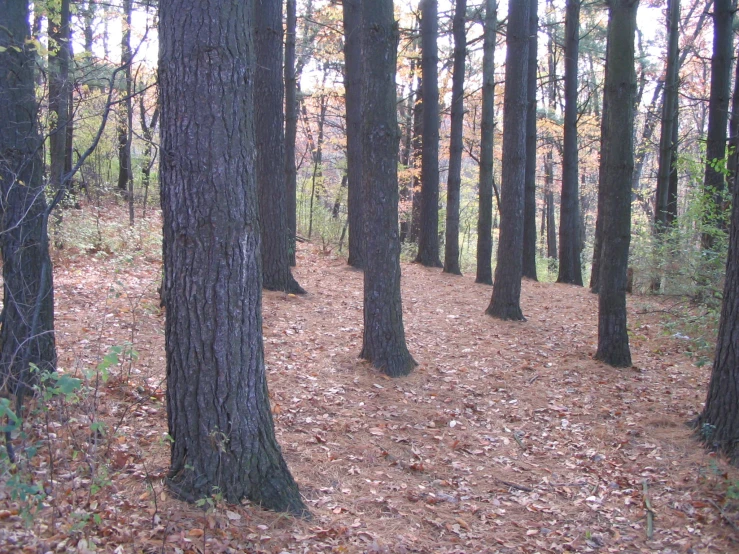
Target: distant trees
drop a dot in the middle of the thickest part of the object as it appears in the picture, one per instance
(428, 238)
(217, 401)
(617, 151)
(505, 302)
(270, 143)
(383, 342)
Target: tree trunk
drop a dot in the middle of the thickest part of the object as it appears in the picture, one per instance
(291, 126)
(383, 343)
(27, 333)
(505, 301)
(217, 401)
(529, 210)
(714, 181)
(718, 425)
(428, 238)
(570, 271)
(454, 180)
(484, 272)
(353, 103)
(415, 230)
(147, 157)
(270, 143)
(59, 91)
(618, 151)
(124, 107)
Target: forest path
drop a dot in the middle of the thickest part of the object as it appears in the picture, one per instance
(507, 437)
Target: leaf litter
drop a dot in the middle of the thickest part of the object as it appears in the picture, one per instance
(508, 437)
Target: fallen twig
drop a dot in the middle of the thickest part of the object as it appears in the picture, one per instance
(724, 516)
(515, 486)
(650, 512)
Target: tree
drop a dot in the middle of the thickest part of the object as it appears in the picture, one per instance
(505, 302)
(714, 181)
(291, 125)
(428, 237)
(270, 142)
(570, 270)
(125, 176)
(454, 179)
(60, 88)
(383, 342)
(217, 401)
(528, 269)
(484, 272)
(718, 425)
(617, 149)
(353, 102)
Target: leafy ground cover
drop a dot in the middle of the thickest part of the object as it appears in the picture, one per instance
(508, 437)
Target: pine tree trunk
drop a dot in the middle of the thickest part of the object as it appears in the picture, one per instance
(454, 181)
(484, 272)
(353, 103)
(570, 271)
(618, 151)
(27, 334)
(428, 238)
(505, 302)
(270, 143)
(383, 343)
(529, 210)
(291, 127)
(218, 408)
(59, 91)
(124, 108)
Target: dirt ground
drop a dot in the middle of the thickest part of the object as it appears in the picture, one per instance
(507, 437)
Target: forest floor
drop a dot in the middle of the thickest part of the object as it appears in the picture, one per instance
(508, 437)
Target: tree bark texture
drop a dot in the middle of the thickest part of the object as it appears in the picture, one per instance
(428, 238)
(124, 107)
(353, 103)
(484, 273)
(529, 210)
(618, 151)
(59, 91)
(714, 181)
(505, 302)
(454, 180)
(291, 126)
(270, 142)
(383, 343)
(719, 422)
(27, 335)
(570, 269)
(217, 402)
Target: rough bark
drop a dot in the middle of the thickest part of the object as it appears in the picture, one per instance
(570, 270)
(59, 91)
(529, 209)
(27, 334)
(291, 126)
(428, 237)
(718, 425)
(270, 143)
(353, 103)
(383, 342)
(618, 151)
(217, 401)
(505, 301)
(484, 273)
(714, 181)
(454, 180)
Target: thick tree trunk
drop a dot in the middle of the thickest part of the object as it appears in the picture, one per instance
(27, 334)
(415, 230)
(714, 181)
(718, 425)
(383, 343)
(484, 272)
(618, 151)
(505, 302)
(454, 180)
(529, 209)
(353, 103)
(428, 238)
(270, 143)
(291, 126)
(124, 107)
(217, 402)
(570, 270)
